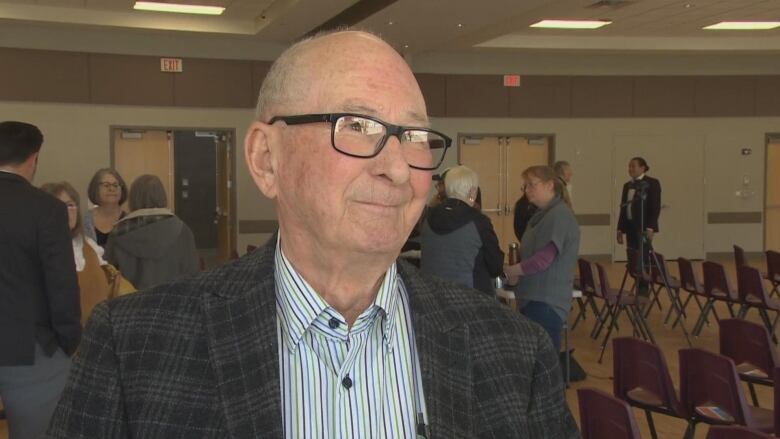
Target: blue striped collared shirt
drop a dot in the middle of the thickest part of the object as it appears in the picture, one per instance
(339, 382)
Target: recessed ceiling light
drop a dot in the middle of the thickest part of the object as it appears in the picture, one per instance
(460, 24)
(406, 46)
(743, 25)
(390, 23)
(688, 5)
(178, 8)
(571, 24)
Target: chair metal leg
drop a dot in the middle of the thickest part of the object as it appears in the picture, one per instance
(650, 424)
(581, 313)
(603, 314)
(649, 306)
(643, 323)
(609, 331)
(767, 323)
(690, 430)
(703, 316)
(753, 394)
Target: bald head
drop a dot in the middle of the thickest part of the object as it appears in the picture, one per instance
(302, 74)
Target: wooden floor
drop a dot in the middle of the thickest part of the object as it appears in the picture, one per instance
(600, 375)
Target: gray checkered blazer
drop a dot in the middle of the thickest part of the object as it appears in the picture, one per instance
(198, 358)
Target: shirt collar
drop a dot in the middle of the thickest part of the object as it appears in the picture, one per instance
(640, 177)
(299, 305)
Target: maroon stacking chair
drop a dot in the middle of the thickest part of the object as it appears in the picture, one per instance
(590, 293)
(749, 346)
(752, 294)
(250, 248)
(777, 401)
(711, 393)
(634, 271)
(739, 256)
(773, 270)
(661, 276)
(741, 261)
(717, 288)
(642, 379)
(734, 432)
(604, 416)
(618, 301)
(689, 283)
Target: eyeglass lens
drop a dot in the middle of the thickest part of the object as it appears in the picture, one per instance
(360, 136)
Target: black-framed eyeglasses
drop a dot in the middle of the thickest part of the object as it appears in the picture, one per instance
(361, 136)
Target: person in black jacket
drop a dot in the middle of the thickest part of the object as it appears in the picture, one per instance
(458, 241)
(630, 220)
(40, 316)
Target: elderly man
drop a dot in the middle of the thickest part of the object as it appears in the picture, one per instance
(320, 333)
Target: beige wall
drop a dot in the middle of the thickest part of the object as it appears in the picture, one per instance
(77, 143)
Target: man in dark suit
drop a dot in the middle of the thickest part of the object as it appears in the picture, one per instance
(40, 316)
(322, 332)
(631, 220)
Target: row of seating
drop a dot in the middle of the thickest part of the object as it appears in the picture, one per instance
(750, 293)
(710, 390)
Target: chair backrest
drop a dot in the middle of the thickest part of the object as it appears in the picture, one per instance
(750, 285)
(587, 282)
(710, 379)
(688, 279)
(604, 416)
(773, 265)
(715, 279)
(250, 248)
(603, 280)
(739, 256)
(639, 364)
(734, 432)
(748, 342)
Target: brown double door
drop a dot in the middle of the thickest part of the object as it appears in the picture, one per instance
(197, 171)
(499, 161)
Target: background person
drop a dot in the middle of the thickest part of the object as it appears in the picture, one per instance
(458, 242)
(630, 219)
(565, 173)
(108, 192)
(39, 295)
(549, 254)
(151, 245)
(94, 286)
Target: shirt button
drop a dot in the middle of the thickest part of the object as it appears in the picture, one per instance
(333, 323)
(347, 382)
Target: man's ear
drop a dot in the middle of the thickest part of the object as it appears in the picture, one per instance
(261, 158)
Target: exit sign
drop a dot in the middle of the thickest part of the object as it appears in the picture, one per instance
(171, 65)
(511, 80)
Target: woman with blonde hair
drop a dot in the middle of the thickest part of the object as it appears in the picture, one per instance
(549, 253)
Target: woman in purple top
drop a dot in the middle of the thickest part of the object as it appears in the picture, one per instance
(549, 254)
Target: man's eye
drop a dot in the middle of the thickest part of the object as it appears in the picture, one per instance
(357, 127)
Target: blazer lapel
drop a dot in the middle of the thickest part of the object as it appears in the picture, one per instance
(443, 346)
(243, 347)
